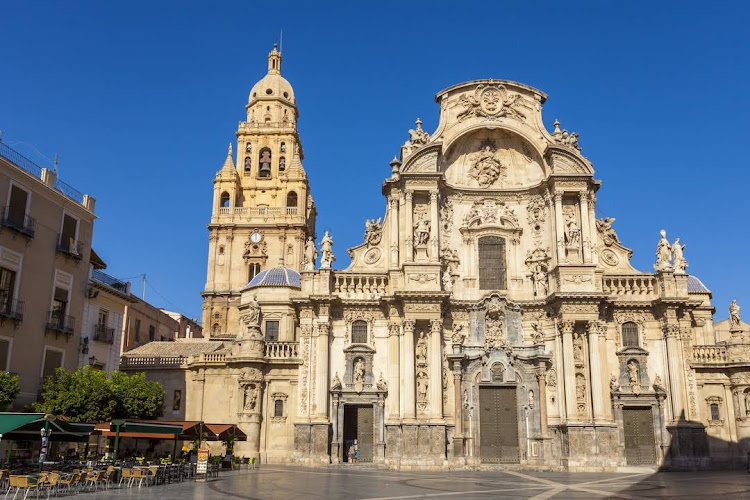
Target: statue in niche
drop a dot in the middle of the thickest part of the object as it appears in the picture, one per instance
(311, 254)
(678, 260)
(581, 392)
(458, 334)
(422, 387)
(421, 350)
(326, 251)
(336, 383)
(447, 281)
(572, 233)
(663, 253)
(531, 399)
(359, 375)
(251, 397)
(382, 384)
(609, 236)
(541, 283)
(422, 231)
(633, 377)
(734, 314)
(578, 348)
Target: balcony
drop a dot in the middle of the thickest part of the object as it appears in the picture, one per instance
(12, 309)
(631, 287)
(60, 323)
(70, 247)
(360, 286)
(254, 213)
(103, 333)
(282, 350)
(710, 354)
(19, 222)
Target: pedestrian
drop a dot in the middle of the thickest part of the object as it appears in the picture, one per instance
(350, 454)
(356, 456)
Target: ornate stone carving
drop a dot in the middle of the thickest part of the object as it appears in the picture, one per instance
(537, 263)
(457, 335)
(578, 355)
(422, 278)
(359, 375)
(565, 138)
(251, 398)
(663, 253)
(487, 165)
(633, 377)
(552, 378)
(613, 385)
(422, 386)
(489, 212)
(382, 385)
(417, 137)
(734, 315)
(572, 230)
(609, 257)
(326, 250)
(608, 234)
(638, 318)
(422, 228)
(490, 101)
(336, 385)
(420, 350)
(678, 259)
(494, 325)
(581, 392)
(537, 335)
(254, 249)
(373, 231)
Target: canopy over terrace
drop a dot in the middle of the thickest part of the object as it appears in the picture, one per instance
(27, 427)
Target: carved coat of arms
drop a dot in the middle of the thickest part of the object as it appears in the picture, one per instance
(487, 165)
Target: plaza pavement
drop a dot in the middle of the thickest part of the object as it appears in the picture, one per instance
(361, 482)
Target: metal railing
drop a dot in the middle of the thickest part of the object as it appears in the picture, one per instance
(68, 191)
(12, 309)
(104, 333)
(70, 247)
(61, 323)
(20, 160)
(110, 281)
(22, 223)
(154, 361)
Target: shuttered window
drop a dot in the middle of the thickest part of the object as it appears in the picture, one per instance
(629, 334)
(272, 331)
(359, 332)
(491, 263)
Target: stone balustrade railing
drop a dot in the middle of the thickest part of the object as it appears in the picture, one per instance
(255, 212)
(360, 286)
(282, 350)
(636, 286)
(152, 361)
(709, 354)
(212, 358)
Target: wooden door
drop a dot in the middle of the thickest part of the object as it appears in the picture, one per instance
(639, 436)
(498, 424)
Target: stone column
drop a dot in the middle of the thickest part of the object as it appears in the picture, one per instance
(408, 374)
(434, 227)
(394, 364)
(541, 377)
(393, 216)
(436, 369)
(592, 226)
(560, 228)
(457, 401)
(409, 229)
(321, 374)
(596, 329)
(569, 378)
(585, 227)
(672, 333)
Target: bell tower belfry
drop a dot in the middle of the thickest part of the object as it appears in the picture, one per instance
(262, 209)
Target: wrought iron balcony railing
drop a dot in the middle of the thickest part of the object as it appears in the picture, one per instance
(12, 309)
(60, 323)
(104, 333)
(70, 247)
(22, 223)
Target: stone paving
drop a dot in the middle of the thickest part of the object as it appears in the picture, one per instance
(360, 483)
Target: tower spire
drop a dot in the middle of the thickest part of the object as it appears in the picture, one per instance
(274, 61)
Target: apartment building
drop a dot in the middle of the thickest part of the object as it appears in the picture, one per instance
(145, 323)
(188, 328)
(46, 228)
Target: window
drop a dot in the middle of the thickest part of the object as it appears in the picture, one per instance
(221, 249)
(491, 263)
(59, 307)
(264, 163)
(278, 408)
(629, 334)
(16, 212)
(103, 317)
(272, 331)
(291, 199)
(359, 332)
(4, 354)
(715, 412)
(151, 333)
(52, 361)
(282, 164)
(7, 289)
(137, 328)
(248, 164)
(224, 203)
(68, 234)
(252, 271)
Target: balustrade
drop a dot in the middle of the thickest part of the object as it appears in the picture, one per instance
(637, 286)
(282, 350)
(360, 286)
(709, 354)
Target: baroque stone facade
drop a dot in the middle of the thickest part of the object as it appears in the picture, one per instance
(487, 317)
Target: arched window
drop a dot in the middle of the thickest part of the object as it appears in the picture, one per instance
(224, 201)
(629, 334)
(248, 146)
(291, 199)
(282, 164)
(248, 164)
(498, 372)
(491, 263)
(715, 412)
(264, 163)
(278, 408)
(359, 332)
(252, 270)
(283, 145)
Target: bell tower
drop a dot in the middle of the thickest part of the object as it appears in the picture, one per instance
(262, 209)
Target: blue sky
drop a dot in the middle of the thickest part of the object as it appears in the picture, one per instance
(141, 98)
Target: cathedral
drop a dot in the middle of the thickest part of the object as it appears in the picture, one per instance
(487, 318)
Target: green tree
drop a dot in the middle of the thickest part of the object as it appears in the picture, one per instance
(9, 389)
(89, 395)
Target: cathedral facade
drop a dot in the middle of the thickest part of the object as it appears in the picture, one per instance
(487, 318)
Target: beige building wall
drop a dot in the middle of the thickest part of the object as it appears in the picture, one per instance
(45, 244)
(145, 323)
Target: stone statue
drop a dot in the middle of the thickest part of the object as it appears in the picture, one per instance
(572, 233)
(311, 254)
(422, 232)
(578, 348)
(678, 260)
(252, 312)
(359, 375)
(421, 350)
(531, 399)
(613, 385)
(633, 377)
(734, 314)
(421, 386)
(541, 283)
(418, 136)
(336, 382)
(663, 253)
(251, 397)
(604, 226)
(373, 231)
(658, 384)
(326, 251)
(458, 335)
(382, 384)
(447, 281)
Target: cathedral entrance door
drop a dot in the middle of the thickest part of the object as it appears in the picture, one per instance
(639, 436)
(498, 424)
(358, 431)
